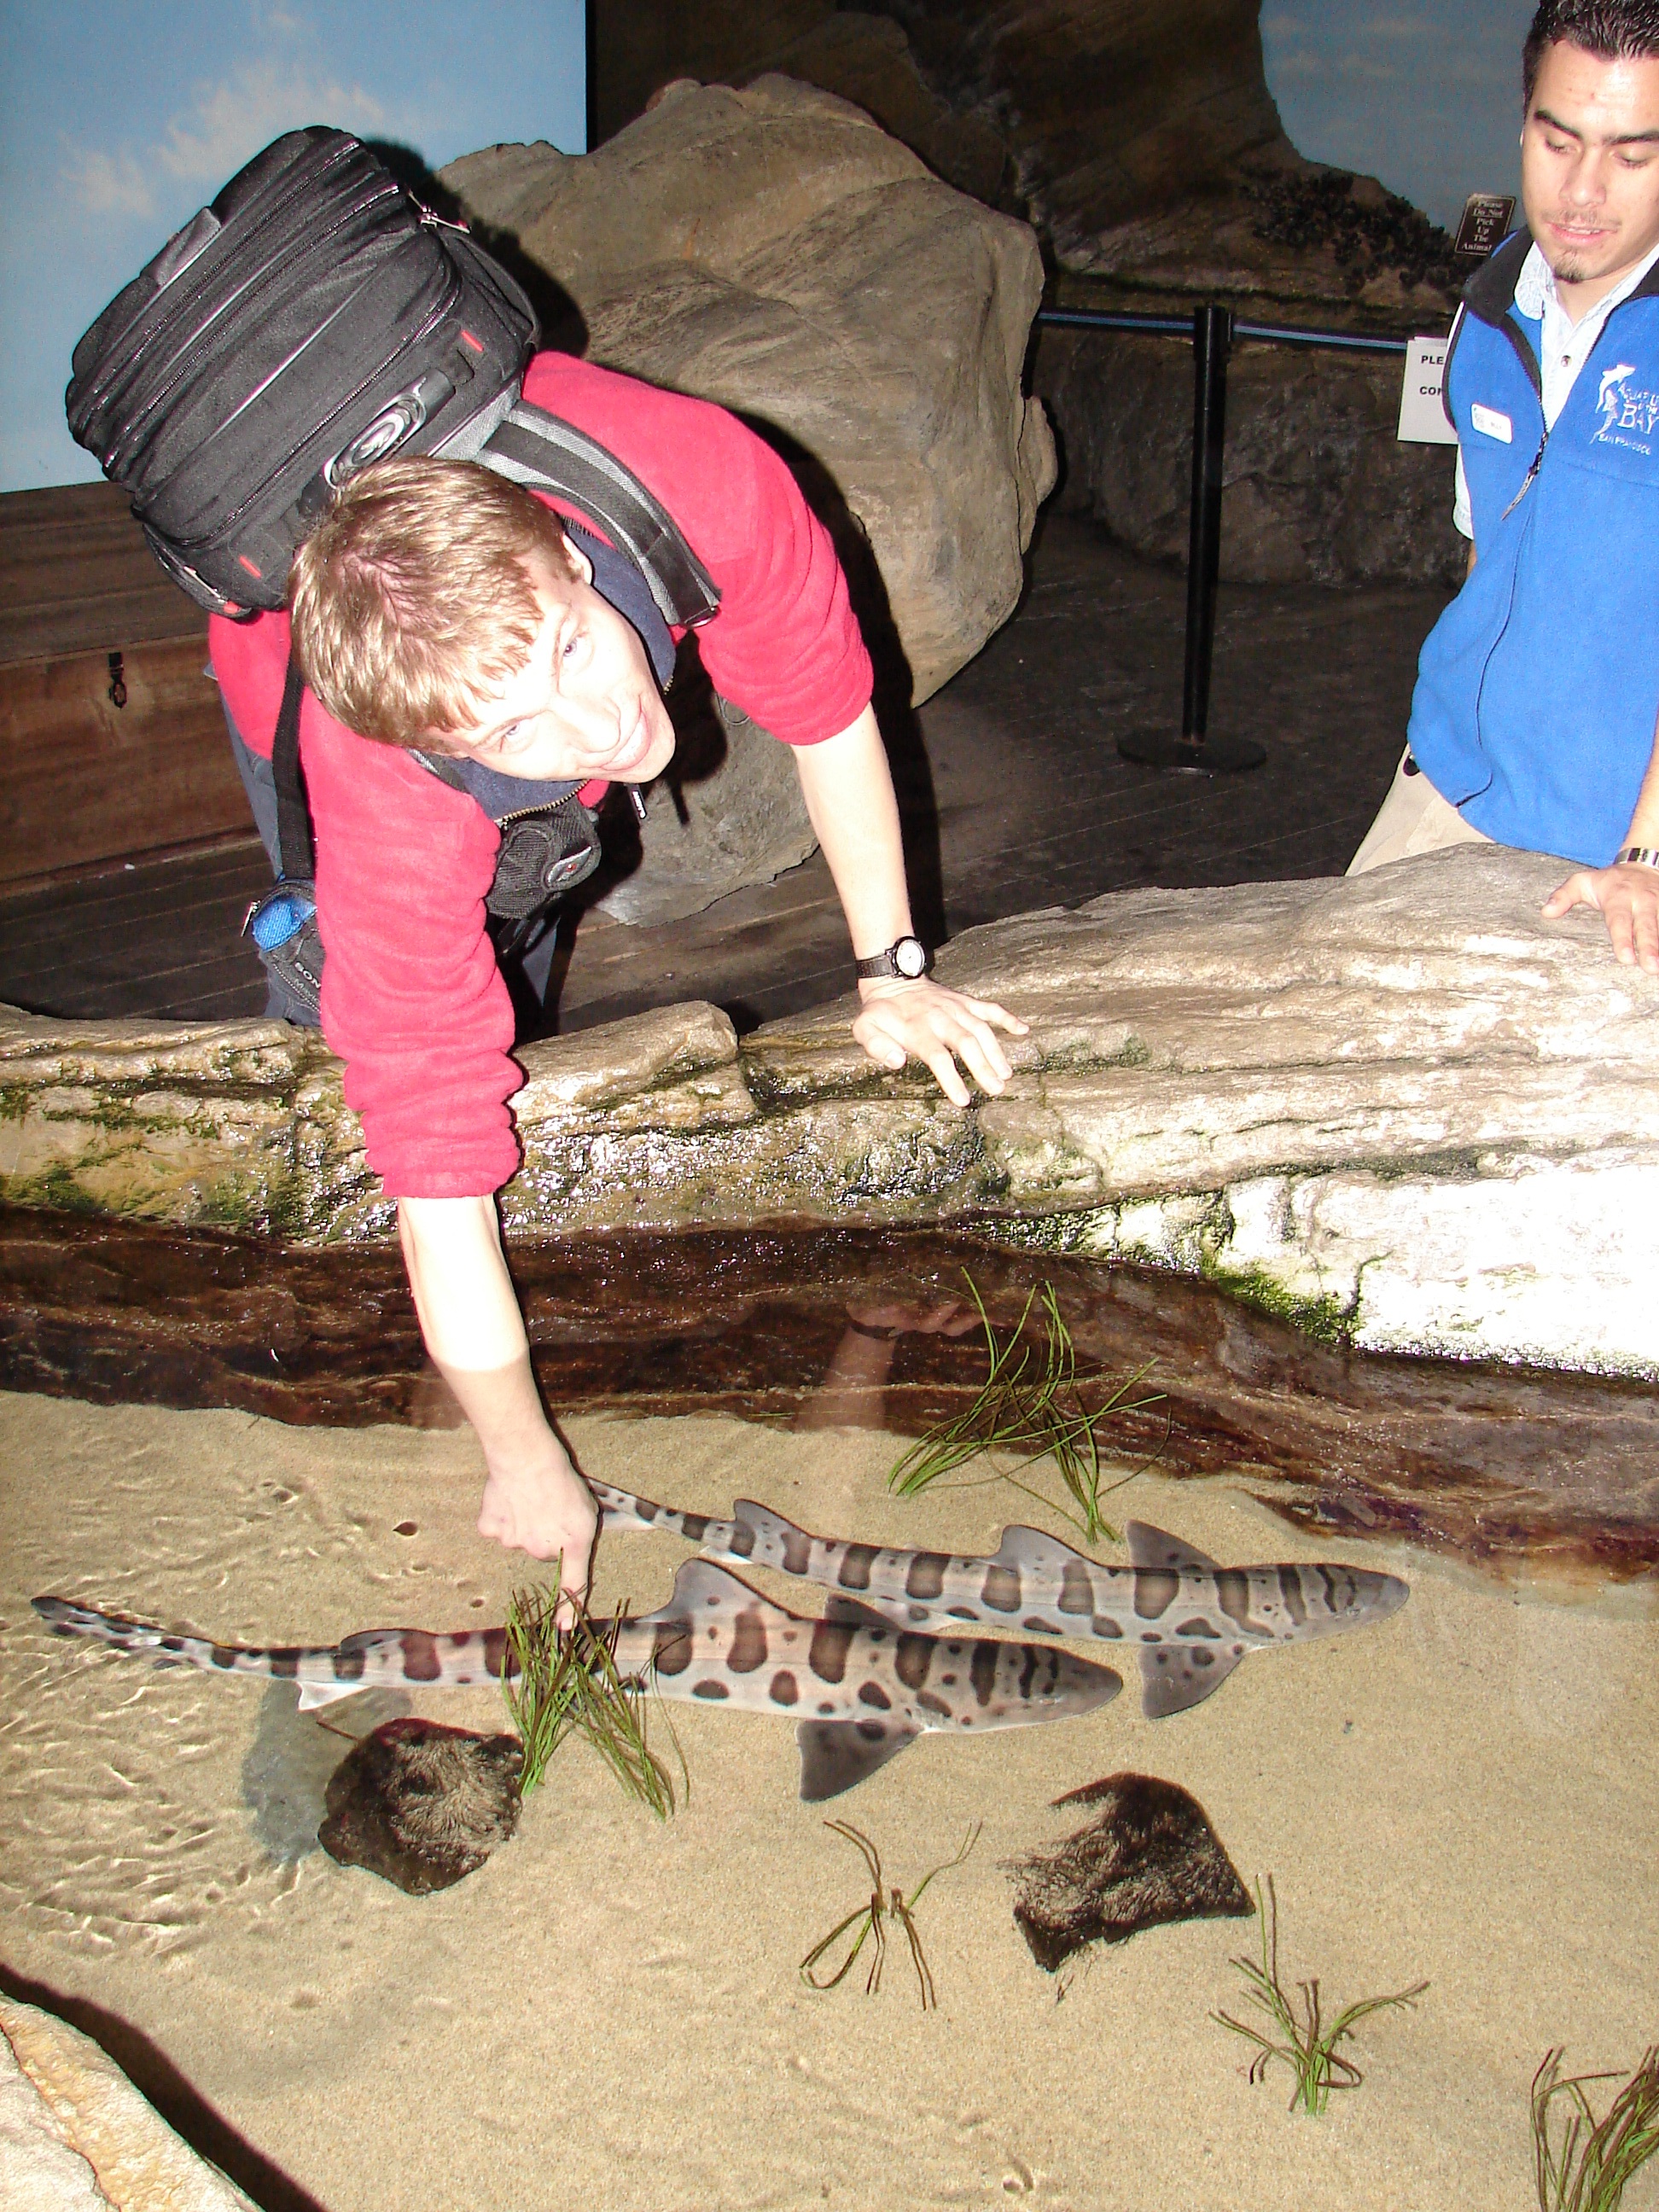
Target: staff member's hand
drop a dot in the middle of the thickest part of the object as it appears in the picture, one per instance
(923, 1020)
(1628, 899)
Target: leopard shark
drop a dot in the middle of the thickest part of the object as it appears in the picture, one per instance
(860, 1687)
(1189, 1620)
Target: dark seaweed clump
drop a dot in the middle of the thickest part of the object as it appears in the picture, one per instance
(1368, 237)
(1149, 1856)
(422, 1805)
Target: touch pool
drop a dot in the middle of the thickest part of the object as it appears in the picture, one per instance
(1462, 1793)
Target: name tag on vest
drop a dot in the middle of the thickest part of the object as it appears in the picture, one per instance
(1491, 424)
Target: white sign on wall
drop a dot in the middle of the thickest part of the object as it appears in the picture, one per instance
(1422, 418)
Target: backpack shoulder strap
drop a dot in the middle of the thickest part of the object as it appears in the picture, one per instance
(297, 860)
(538, 449)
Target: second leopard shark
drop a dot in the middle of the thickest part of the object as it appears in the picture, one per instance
(1189, 1620)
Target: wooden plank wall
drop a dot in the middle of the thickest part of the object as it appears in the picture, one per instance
(86, 784)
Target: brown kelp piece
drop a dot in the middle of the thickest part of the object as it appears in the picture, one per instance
(1149, 1855)
(422, 1805)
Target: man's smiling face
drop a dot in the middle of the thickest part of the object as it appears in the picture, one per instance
(1589, 168)
(586, 704)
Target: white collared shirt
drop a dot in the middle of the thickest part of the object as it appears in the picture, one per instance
(1564, 346)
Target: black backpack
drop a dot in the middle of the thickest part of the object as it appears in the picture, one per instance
(312, 320)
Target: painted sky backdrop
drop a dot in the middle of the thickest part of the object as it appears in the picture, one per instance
(118, 119)
(1425, 95)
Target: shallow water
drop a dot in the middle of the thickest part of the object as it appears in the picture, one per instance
(1507, 1466)
(609, 2007)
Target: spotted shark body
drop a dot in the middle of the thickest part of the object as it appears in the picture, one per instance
(1188, 1620)
(860, 1686)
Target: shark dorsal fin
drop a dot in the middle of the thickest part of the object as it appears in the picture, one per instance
(836, 1756)
(759, 1532)
(766, 1517)
(1030, 1549)
(372, 1640)
(700, 1588)
(853, 1613)
(1157, 1549)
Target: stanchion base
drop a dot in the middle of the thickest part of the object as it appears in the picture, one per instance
(1210, 756)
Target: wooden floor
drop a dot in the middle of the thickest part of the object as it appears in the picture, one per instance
(1013, 795)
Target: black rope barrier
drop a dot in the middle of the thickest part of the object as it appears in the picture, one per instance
(1212, 331)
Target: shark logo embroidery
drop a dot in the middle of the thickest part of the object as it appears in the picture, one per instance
(1189, 1620)
(860, 1687)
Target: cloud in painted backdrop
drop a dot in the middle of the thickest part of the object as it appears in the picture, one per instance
(116, 122)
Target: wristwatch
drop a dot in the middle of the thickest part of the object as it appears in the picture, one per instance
(907, 958)
(1644, 856)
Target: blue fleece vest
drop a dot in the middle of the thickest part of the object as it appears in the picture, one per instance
(1538, 687)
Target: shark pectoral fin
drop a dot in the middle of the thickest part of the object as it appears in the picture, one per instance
(313, 1694)
(1157, 1549)
(1175, 1676)
(837, 1755)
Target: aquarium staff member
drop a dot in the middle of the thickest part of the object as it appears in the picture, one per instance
(439, 607)
(1535, 720)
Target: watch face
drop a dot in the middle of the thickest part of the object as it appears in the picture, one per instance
(910, 956)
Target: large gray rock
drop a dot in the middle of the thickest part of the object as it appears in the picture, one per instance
(1142, 141)
(774, 249)
(743, 821)
(1401, 1110)
(1145, 147)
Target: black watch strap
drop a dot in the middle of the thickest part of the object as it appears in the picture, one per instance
(906, 958)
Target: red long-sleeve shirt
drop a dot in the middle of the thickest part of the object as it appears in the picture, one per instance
(412, 1000)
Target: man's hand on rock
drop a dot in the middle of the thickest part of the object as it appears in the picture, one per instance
(923, 1020)
(1627, 897)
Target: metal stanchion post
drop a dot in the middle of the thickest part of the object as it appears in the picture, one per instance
(1195, 751)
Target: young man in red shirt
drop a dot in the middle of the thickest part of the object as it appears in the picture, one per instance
(438, 609)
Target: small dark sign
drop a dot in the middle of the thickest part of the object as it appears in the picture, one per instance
(1486, 223)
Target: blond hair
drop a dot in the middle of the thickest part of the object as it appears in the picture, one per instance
(414, 597)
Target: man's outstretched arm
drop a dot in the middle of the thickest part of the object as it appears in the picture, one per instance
(534, 1500)
(1627, 894)
(849, 796)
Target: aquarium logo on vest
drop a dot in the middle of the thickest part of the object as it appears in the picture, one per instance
(1629, 417)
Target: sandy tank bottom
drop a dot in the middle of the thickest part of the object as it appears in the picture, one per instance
(609, 2011)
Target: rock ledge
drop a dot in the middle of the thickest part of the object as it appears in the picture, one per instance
(1401, 1111)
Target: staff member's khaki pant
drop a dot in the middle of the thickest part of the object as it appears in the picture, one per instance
(1412, 819)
